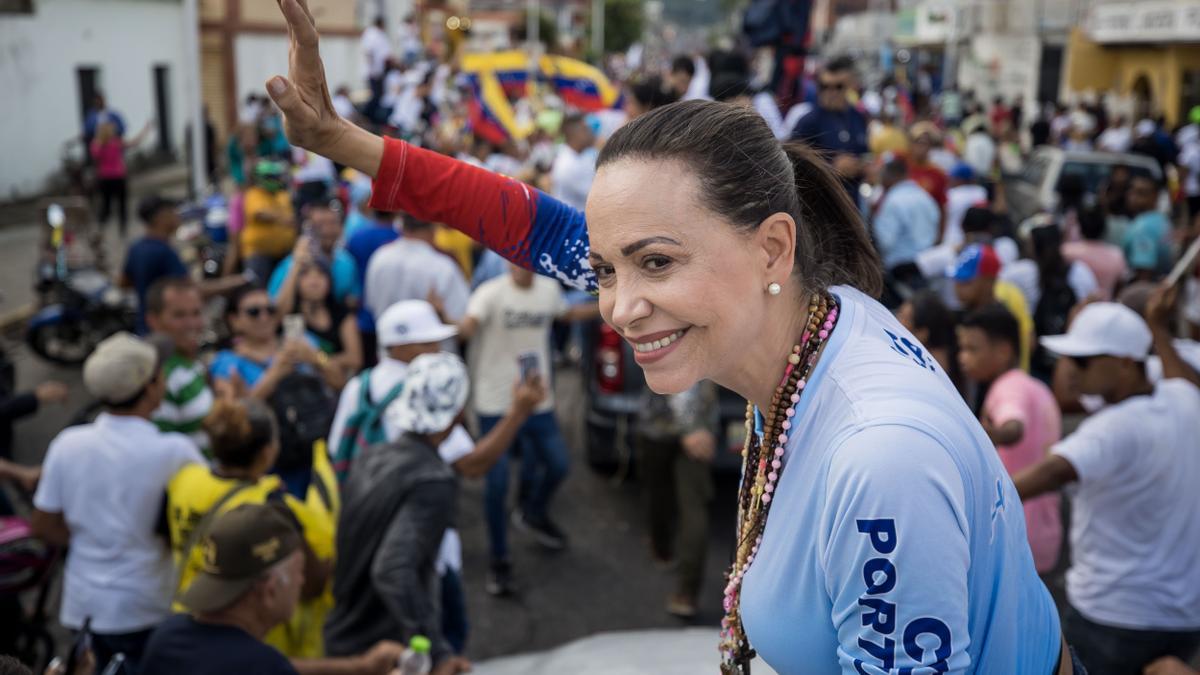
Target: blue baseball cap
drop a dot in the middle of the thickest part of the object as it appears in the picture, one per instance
(976, 260)
(962, 171)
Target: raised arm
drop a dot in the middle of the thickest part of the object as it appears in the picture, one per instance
(520, 223)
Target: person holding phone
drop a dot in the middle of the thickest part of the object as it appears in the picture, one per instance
(508, 323)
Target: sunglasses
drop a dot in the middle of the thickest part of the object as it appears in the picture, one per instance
(831, 86)
(259, 310)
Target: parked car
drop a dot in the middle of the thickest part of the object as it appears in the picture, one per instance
(1034, 189)
(613, 390)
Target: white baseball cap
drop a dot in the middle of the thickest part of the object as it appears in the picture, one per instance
(120, 367)
(1104, 329)
(411, 322)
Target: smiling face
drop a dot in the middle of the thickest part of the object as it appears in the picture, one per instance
(677, 281)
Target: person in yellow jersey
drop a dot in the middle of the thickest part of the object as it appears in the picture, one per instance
(270, 232)
(244, 445)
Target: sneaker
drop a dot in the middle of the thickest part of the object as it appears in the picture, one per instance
(543, 531)
(499, 580)
(681, 606)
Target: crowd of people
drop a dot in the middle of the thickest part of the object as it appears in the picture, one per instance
(289, 495)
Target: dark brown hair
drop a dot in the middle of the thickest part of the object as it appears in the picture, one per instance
(239, 431)
(156, 296)
(746, 176)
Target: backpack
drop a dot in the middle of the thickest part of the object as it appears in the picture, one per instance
(303, 408)
(364, 427)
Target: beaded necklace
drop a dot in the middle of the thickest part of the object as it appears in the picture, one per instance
(762, 464)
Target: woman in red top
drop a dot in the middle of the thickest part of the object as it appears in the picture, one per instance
(108, 154)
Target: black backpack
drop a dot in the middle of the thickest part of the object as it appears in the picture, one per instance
(304, 409)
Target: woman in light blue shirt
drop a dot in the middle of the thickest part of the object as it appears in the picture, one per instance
(895, 542)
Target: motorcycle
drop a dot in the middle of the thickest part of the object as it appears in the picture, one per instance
(204, 234)
(79, 307)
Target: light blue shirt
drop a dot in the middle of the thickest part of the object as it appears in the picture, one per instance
(906, 223)
(896, 542)
(1146, 242)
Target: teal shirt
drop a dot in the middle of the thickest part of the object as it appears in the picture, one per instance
(1146, 243)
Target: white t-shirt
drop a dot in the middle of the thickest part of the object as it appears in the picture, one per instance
(408, 269)
(108, 479)
(376, 50)
(1024, 274)
(1115, 139)
(512, 321)
(1135, 524)
(958, 200)
(572, 174)
(1189, 158)
(980, 152)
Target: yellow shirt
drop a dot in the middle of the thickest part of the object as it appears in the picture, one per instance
(195, 489)
(887, 139)
(1014, 300)
(458, 245)
(259, 237)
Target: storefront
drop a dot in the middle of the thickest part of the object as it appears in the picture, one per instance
(1147, 53)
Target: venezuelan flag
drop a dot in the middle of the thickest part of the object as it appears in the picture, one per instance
(578, 84)
(497, 77)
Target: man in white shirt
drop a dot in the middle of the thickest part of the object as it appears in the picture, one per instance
(376, 50)
(575, 163)
(508, 322)
(1116, 138)
(102, 493)
(410, 268)
(1132, 469)
(407, 330)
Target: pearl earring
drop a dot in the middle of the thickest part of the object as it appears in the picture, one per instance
(774, 288)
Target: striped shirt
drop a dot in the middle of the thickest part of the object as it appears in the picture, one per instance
(187, 401)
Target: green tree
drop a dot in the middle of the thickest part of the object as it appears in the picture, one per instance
(547, 30)
(624, 22)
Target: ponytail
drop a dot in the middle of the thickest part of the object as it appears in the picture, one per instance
(841, 252)
(239, 431)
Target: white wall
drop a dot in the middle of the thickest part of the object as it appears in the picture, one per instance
(259, 57)
(1017, 58)
(39, 108)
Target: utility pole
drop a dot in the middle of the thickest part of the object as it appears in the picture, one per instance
(598, 30)
(193, 98)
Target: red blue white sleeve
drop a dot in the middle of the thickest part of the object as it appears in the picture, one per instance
(521, 223)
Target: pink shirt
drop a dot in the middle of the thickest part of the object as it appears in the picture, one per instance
(1016, 395)
(1106, 261)
(109, 158)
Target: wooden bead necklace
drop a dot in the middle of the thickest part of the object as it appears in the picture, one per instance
(762, 465)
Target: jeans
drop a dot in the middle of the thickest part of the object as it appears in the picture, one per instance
(454, 611)
(1107, 650)
(132, 645)
(543, 467)
(113, 191)
(261, 265)
(678, 491)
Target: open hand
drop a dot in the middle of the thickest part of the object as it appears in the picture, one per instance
(309, 119)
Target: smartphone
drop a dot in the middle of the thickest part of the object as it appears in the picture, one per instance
(528, 364)
(293, 327)
(1185, 263)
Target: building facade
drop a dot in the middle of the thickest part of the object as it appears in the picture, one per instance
(57, 54)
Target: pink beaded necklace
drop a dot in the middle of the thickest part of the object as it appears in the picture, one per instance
(762, 465)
